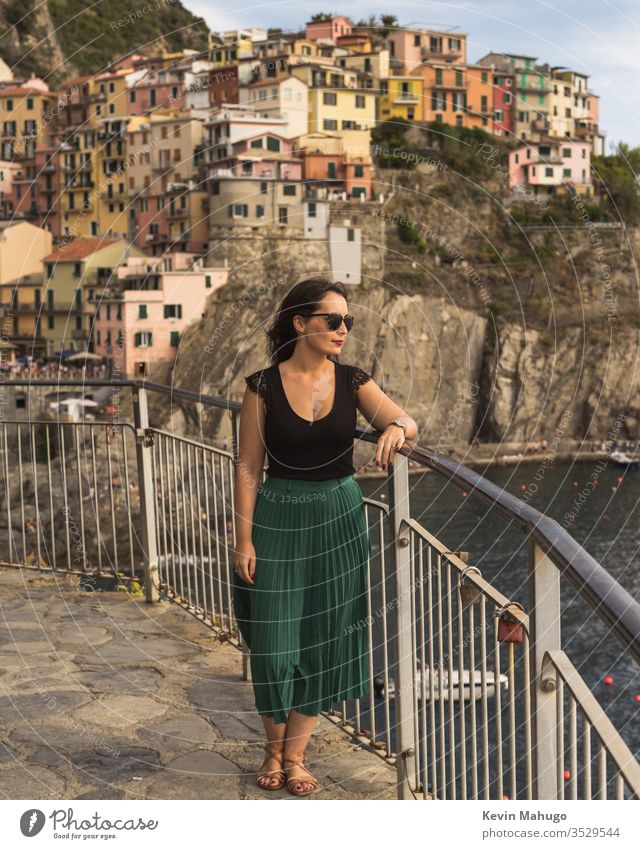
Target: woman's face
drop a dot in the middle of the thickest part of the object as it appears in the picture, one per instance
(317, 333)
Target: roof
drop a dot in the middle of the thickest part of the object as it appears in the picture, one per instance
(274, 81)
(23, 91)
(79, 249)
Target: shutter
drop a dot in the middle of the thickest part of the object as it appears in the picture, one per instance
(137, 340)
(179, 310)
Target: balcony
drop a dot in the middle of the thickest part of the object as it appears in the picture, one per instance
(402, 99)
(471, 695)
(177, 213)
(165, 168)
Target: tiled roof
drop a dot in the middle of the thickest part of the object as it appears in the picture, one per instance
(79, 249)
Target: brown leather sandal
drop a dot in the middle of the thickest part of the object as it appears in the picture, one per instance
(274, 750)
(292, 781)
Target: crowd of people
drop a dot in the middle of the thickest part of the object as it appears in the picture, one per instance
(53, 369)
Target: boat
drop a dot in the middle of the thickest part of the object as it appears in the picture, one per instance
(379, 685)
(626, 460)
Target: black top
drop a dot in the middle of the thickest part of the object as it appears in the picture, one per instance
(309, 450)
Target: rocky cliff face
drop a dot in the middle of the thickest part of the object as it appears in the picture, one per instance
(477, 328)
(60, 38)
(29, 43)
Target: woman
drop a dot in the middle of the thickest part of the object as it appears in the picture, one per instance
(302, 542)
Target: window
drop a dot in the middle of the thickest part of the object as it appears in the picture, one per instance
(329, 98)
(548, 172)
(289, 190)
(142, 311)
(263, 188)
(360, 102)
(240, 210)
(351, 234)
(207, 281)
(215, 188)
(283, 215)
(566, 152)
(77, 267)
(49, 269)
(438, 76)
(329, 124)
(331, 170)
(143, 339)
(273, 144)
(173, 310)
(29, 102)
(256, 143)
(108, 317)
(566, 172)
(259, 211)
(312, 210)
(132, 96)
(174, 338)
(358, 171)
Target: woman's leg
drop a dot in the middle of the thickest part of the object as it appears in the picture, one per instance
(298, 730)
(275, 736)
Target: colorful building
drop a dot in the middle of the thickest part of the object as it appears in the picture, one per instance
(74, 275)
(140, 321)
(549, 164)
(410, 48)
(22, 247)
(401, 97)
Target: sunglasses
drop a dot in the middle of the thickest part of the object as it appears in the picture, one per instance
(334, 319)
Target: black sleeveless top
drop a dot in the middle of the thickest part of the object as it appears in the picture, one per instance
(309, 450)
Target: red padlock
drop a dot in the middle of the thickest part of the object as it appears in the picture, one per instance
(509, 631)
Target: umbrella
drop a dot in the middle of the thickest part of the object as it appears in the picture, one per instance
(83, 355)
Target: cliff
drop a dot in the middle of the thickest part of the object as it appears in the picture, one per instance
(61, 38)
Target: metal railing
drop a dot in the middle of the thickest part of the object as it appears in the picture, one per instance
(468, 690)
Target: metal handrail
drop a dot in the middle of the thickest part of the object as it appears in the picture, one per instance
(614, 605)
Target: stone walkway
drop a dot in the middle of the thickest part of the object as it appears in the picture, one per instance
(103, 696)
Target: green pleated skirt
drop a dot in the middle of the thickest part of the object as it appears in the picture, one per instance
(304, 619)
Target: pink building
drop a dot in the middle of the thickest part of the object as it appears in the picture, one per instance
(550, 163)
(410, 48)
(331, 28)
(158, 89)
(153, 300)
(260, 155)
(151, 223)
(7, 173)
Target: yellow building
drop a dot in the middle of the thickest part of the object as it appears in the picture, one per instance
(27, 117)
(22, 247)
(74, 276)
(401, 97)
(336, 99)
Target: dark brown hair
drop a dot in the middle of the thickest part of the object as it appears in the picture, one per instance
(301, 299)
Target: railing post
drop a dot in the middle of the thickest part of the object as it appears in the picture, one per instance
(235, 441)
(404, 662)
(544, 619)
(144, 442)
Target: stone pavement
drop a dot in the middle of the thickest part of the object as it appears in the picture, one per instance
(103, 696)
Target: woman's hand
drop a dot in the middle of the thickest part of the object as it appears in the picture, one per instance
(391, 439)
(245, 561)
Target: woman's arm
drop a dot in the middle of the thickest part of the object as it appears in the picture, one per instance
(379, 410)
(247, 478)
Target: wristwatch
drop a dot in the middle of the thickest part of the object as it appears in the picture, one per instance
(400, 424)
